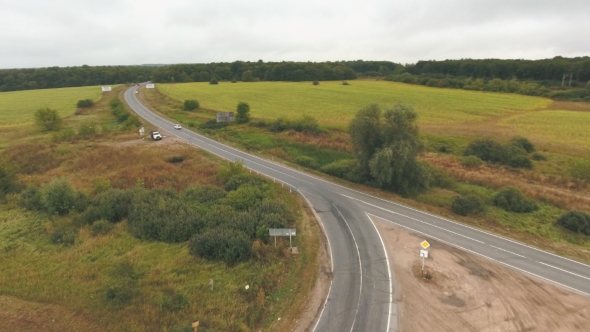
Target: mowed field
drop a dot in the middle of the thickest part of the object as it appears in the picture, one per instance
(18, 107)
(334, 104)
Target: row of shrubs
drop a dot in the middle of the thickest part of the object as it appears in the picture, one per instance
(306, 124)
(514, 153)
(221, 223)
(509, 199)
(122, 115)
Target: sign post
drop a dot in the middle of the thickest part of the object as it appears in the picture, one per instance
(282, 232)
(424, 253)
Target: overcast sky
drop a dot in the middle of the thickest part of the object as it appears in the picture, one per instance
(42, 33)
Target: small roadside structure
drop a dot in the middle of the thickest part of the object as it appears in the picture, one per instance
(225, 116)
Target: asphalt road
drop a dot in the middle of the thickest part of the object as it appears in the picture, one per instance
(362, 290)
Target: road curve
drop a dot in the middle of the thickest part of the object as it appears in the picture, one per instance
(361, 296)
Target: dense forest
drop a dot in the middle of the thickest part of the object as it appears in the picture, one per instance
(547, 77)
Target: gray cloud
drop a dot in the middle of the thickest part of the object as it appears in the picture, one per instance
(39, 33)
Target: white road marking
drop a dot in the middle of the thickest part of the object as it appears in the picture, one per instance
(510, 252)
(566, 271)
(399, 214)
(490, 258)
(388, 273)
(358, 304)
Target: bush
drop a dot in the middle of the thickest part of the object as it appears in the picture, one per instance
(87, 129)
(213, 124)
(213, 81)
(575, 221)
(59, 197)
(520, 161)
(471, 161)
(190, 105)
(32, 199)
(469, 204)
(203, 194)
(8, 179)
(511, 199)
(65, 235)
(218, 244)
(243, 113)
(241, 179)
(523, 143)
(112, 205)
(48, 119)
(306, 161)
(345, 83)
(244, 197)
(175, 159)
(341, 168)
(101, 227)
(315, 82)
(305, 124)
(83, 103)
(486, 149)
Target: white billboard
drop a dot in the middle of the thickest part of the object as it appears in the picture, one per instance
(106, 88)
(150, 86)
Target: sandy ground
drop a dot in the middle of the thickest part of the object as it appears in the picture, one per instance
(470, 293)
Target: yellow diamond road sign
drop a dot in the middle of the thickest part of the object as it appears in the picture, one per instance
(425, 244)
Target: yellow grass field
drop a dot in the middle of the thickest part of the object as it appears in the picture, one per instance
(18, 107)
(552, 126)
(334, 104)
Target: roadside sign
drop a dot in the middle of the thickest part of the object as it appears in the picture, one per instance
(424, 253)
(150, 86)
(425, 244)
(106, 88)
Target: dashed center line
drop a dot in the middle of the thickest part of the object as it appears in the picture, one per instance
(510, 252)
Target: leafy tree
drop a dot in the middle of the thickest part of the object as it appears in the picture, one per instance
(247, 76)
(386, 148)
(190, 105)
(511, 199)
(243, 113)
(48, 119)
(83, 103)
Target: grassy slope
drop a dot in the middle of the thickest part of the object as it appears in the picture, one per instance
(18, 107)
(76, 277)
(334, 104)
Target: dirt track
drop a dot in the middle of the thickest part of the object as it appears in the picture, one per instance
(469, 293)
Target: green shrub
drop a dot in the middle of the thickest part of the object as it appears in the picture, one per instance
(469, 204)
(87, 129)
(511, 199)
(267, 206)
(32, 199)
(83, 103)
(341, 168)
(471, 161)
(212, 124)
(65, 235)
(345, 83)
(238, 180)
(218, 244)
(213, 81)
(316, 82)
(520, 161)
(59, 197)
(306, 161)
(486, 149)
(175, 159)
(8, 179)
(112, 205)
(242, 113)
(439, 178)
(244, 197)
(203, 194)
(523, 143)
(306, 124)
(538, 157)
(101, 227)
(575, 221)
(48, 119)
(190, 105)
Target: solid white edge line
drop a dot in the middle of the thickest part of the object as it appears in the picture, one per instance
(482, 255)
(566, 271)
(403, 215)
(358, 253)
(388, 273)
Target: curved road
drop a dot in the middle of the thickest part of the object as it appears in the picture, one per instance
(361, 296)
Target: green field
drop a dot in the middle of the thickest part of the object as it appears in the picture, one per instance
(570, 127)
(18, 107)
(334, 104)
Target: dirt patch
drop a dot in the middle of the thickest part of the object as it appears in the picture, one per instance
(19, 315)
(458, 291)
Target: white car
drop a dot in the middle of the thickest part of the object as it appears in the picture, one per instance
(177, 126)
(136, 91)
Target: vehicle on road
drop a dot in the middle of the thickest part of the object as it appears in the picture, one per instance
(136, 91)
(156, 135)
(177, 126)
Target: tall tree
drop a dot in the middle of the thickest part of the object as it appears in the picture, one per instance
(243, 111)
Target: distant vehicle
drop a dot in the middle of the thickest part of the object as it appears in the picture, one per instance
(156, 135)
(177, 126)
(136, 91)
